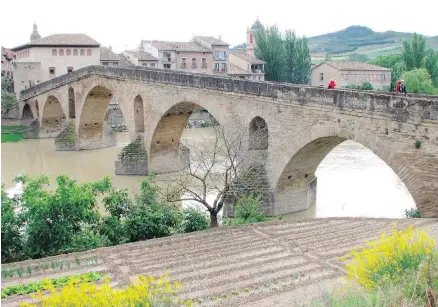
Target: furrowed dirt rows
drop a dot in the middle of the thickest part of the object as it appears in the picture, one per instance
(266, 264)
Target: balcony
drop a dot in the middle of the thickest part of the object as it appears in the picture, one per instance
(221, 57)
(166, 59)
(257, 71)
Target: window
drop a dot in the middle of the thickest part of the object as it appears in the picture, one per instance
(54, 52)
(224, 67)
(105, 63)
(69, 69)
(204, 63)
(82, 52)
(144, 64)
(115, 64)
(52, 72)
(68, 52)
(75, 52)
(193, 62)
(152, 65)
(251, 38)
(88, 52)
(61, 52)
(183, 62)
(166, 66)
(321, 76)
(216, 66)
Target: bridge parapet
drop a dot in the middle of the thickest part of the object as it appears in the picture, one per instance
(396, 107)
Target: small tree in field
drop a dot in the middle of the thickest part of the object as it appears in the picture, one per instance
(214, 166)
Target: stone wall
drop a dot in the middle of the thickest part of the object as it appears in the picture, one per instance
(32, 131)
(67, 139)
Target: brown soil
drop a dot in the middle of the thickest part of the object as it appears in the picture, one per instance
(268, 264)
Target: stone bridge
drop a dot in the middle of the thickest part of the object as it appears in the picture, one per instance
(304, 124)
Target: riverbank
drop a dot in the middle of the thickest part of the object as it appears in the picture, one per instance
(266, 264)
(12, 133)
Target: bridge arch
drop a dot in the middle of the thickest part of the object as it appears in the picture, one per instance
(91, 122)
(27, 112)
(258, 134)
(295, 188)
(71, 103)
(138, 114)
(52, 117)
(165, 149)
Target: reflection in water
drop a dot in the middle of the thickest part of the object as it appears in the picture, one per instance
(352, 181)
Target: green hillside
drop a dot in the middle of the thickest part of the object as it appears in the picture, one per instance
(360, 40)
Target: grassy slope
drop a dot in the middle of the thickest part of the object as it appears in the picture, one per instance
(12, 133)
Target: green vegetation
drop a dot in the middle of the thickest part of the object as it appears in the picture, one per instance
(287, 57)
(399, 269)
(12, 133)
(413, 213)
(8, 100)
(418, 81)
(364, 86)
(33, 287)
(43, 222)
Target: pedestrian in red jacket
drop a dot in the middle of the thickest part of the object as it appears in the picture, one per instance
(397, 87)
(332, 84)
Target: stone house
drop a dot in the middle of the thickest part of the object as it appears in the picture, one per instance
(48, 57)
(246, 66)
(349, 73)
(141, 58)
(220, 51)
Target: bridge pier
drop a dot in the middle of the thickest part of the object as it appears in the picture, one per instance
(133, 160)
(170, 161)
(253, 181)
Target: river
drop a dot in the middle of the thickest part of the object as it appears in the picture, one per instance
(352, 181)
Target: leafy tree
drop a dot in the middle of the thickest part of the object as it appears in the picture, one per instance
(9, 102)
(414, 52)
(6, 84)
(12, 240)
(365, 86)
(55, 219)
(297, 58)
(419, 81)
(431, 64)
(393, 62)
(269, 47)
(113, 229)
(117, 203)
(249, 209)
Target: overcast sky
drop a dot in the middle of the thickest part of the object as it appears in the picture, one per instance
(123, 24)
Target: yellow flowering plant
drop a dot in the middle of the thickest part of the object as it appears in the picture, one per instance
(147, 292)
(390, 257)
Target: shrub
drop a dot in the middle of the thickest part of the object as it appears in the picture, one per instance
(194, 221)
(12, 241)
(413, 213)
(113, 229)
(148, 291)
(389, 257)
(249, 209)
(419, 81)
(417, 144)
(117, 203)
(84, 240)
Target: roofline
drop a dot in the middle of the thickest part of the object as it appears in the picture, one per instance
(208, 51)
(50, 45)
(343, 69)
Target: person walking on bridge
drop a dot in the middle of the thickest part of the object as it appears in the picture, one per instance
(397, 87)
(402, 88)
(332, 84)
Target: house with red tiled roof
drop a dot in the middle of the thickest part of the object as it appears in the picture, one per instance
(351, 73)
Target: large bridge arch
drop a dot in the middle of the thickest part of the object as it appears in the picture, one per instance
(295, 188)
(52, 117)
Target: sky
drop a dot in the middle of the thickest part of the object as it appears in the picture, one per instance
(123, 24)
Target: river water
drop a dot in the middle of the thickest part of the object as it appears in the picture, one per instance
(352, 181)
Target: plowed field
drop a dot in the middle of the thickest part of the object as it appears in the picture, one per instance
(266, 264)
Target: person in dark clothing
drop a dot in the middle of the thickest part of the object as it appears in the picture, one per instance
(402, 88)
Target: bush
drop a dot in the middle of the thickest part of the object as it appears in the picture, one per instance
(390, 257)
(249, 209)
(413, 213)
(12, 242)
(194, 221)
(113, 229)
(364, 86)
(117, 203)
(419, 81)
(84, 240)
(148, 291)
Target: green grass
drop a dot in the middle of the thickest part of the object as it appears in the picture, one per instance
(12, 128)
(33, 287)
(11, 137)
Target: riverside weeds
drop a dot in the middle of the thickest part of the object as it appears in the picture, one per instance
(148, 291)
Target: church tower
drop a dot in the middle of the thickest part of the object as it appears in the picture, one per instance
(35, 35)
(250, 36)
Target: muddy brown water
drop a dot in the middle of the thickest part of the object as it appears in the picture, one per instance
(352, 181)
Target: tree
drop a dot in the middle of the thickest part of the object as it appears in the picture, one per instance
(357, 57)
(9, 102)
(393, 62)
(269, 47)
(431, 64)
(297, 58)
(418, 81)
(414, 52)
(213, 168)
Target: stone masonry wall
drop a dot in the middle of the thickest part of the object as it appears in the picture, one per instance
(133, 160)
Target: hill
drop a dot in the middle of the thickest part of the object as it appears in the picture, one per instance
(359, 40)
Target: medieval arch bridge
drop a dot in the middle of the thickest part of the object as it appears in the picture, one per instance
(304, 124)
